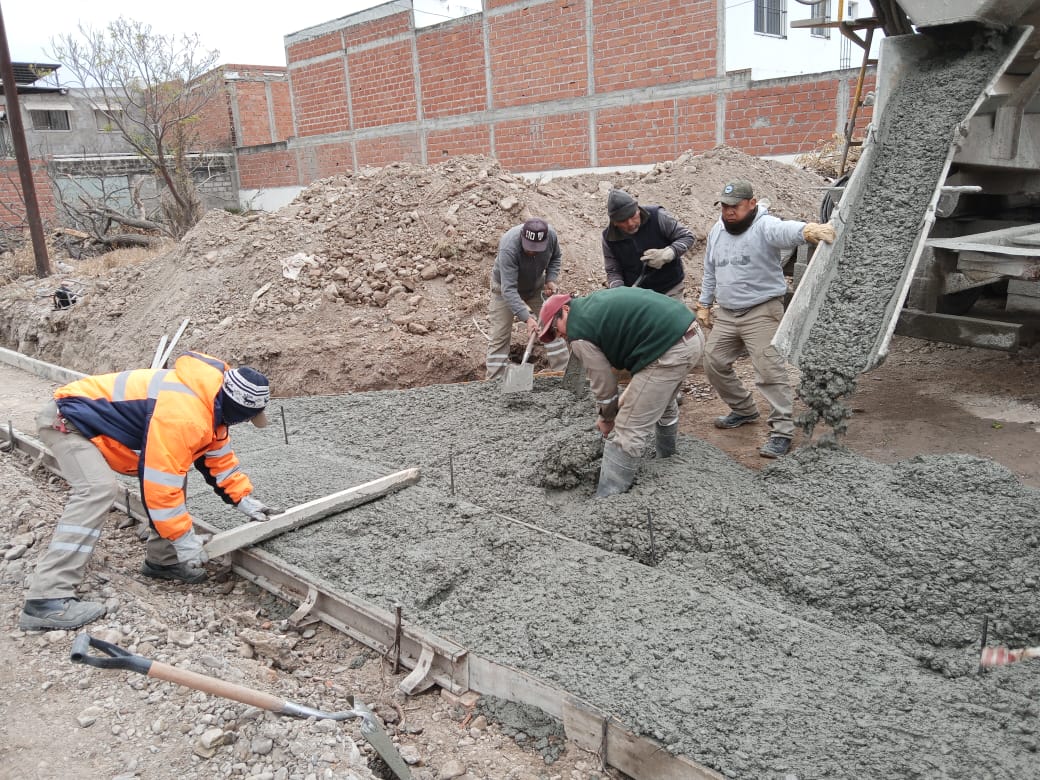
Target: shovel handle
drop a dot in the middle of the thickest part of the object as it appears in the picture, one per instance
(530, 344)
(116, 657)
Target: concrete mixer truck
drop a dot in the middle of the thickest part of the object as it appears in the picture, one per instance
(939, 222)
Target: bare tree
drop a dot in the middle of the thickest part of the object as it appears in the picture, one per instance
(153, 89)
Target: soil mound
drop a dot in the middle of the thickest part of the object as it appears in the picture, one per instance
(375, 279)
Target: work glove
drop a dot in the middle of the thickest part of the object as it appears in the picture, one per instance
(255, 509)
(703, 316)
(189, 549)
(814, 232)
(655, 258)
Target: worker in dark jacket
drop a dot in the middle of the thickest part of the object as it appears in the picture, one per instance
(654, 337)
(643, 246)
(157, 424)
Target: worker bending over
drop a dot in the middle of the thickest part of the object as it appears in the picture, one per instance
(155, 423)
(653, 336)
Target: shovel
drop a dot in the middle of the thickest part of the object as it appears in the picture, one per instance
(520, 379)
(117, 658)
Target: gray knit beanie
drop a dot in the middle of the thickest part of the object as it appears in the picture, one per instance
(620, 206)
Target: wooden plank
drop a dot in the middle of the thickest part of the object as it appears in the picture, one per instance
(228, 541)
(952, 329)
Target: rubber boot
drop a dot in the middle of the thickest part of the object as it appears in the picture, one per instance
(617, 472)
(178, 572)
(666, 436)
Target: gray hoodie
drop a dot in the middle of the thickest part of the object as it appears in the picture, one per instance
(517, 276)
(746, 270)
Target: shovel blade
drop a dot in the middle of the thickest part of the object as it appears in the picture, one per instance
(381, 743)
(518, 379)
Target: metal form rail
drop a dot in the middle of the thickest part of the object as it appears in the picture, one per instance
(432, 660)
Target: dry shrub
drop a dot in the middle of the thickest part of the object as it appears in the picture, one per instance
(99, 265)
(825, 159)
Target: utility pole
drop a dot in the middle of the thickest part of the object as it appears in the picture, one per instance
(21, 152)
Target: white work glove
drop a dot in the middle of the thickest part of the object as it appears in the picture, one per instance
(255, 509)
(189, 549)
(814, 232)
(655, 258)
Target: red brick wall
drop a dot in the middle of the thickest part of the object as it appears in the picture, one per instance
(320, 91)
(442, 144)
(451, 60)
(782, 117)
(543, 143)
(640, 43)
(541, 103)
(389, 149)
(382, 85)
(12, 204)
(538, 54)
(254, 115)
(263, 169)
(214, 125)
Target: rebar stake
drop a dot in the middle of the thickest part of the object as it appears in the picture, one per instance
(451, 470)
(397, 638)
(653, 547)
(285, 428)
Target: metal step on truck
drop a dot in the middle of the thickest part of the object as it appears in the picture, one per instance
(939, 223)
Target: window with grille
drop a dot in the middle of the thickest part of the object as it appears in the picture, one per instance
(821, 10)
(106, 120)
(771, 17)
(49, 120)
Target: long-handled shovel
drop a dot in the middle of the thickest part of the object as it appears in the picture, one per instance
(117, 658)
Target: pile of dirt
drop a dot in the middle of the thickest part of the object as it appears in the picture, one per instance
(375, 279)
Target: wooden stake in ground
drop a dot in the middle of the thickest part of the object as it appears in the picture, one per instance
(298, 516)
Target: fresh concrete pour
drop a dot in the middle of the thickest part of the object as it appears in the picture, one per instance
(819, 618)
(912, 144)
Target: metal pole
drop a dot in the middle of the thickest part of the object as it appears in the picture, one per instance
(21, 151)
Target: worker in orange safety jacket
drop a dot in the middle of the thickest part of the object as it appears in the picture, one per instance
(155, 423)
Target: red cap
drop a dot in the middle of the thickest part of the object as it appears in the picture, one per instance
(547, 316)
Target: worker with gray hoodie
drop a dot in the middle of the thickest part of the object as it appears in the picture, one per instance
(526, 271)
(643, 246)
(743, 274)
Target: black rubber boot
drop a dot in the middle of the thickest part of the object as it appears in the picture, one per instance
(58, 614)
(179, 572)
(617, 472)
(666, 436)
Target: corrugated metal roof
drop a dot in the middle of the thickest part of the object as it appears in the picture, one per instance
(30, 72)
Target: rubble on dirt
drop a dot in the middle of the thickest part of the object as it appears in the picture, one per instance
(368, 280)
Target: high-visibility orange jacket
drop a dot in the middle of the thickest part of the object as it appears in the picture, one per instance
(156, 423)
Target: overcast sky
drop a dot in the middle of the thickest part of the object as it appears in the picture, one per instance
(243, 33)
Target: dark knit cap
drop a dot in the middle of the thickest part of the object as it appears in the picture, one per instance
(620, 206)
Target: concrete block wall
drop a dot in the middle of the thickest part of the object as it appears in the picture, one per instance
(540, 85)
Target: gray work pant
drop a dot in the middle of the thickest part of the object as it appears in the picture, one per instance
(753, 331)
(93, 490)
(500, 320)
(649, 399)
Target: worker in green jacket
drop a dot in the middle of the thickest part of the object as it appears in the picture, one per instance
(654, 337)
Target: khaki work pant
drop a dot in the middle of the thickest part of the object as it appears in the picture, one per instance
(649, 399)
(500, 320)
(754, 331)
(93, 490)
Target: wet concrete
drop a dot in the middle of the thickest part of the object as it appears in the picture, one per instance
(819, 618)
(912, 143)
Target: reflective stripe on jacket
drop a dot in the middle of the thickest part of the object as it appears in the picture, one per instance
(156, 423)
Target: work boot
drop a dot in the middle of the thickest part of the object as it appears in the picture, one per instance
(666, 436)
(734, 420)
(60, 613)
(616, 472)
(776, 447)
(180, 572)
